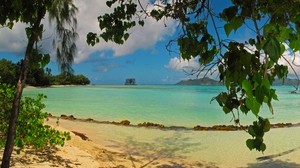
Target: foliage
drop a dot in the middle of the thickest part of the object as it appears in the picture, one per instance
(8, 72)
(38, 75)
(66, 78)
(31, 131)
(247, 68)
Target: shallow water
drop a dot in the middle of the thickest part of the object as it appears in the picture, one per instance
(171, 105)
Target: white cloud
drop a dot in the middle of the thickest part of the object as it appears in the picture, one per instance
(179, 64)
(293, 59)
(13, 40)
(140, 37)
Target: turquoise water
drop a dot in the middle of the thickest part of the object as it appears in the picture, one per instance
(165, 104)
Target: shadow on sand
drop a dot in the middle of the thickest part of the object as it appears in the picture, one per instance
(31, 156)
(270, 161)
(162, 152)
(274, 164)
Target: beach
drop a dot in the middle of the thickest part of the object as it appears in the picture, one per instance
(118, 140)
(122, 146)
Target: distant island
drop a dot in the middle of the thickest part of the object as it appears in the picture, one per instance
(200, 81)
(209, 81)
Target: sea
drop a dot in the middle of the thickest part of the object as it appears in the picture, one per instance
(170, 105)
(175, 105)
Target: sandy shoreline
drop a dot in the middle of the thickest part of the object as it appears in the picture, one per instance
(118, 146)
(86, 154)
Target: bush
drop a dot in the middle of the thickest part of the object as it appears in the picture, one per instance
(31, 131)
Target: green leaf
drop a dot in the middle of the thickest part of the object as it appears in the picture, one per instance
(251, 41)
(227, 28)
(10, 25)
(251, 131)
(109, 3)
(229, 13)
(234, 24)
(250, 143)
(266, 83)
(141, 22)
(126, 35)
(263, 147)
(272, 48)
(247, 87)
(295, 44)
(267, 125)
(255, 107)
(249, 102)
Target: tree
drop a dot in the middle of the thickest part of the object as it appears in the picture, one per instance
(8, 72)
(31, 12)
(247, 68)
(36, 75)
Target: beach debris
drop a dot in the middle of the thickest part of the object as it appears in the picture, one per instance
(81, 135)
(149, 124)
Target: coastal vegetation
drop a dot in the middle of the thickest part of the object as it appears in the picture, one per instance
(31, 131)
(246, 67)
(38, 76)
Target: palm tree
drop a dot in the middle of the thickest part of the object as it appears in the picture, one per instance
(31, 12)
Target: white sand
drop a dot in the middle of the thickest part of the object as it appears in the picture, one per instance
(119, 146)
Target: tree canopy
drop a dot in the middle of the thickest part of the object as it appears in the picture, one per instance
(247, 68)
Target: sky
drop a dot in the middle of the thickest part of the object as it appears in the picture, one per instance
(143, 56)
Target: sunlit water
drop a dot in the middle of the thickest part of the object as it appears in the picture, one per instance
(181, 106)
(170, 105)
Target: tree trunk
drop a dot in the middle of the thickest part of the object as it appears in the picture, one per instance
(9, 145)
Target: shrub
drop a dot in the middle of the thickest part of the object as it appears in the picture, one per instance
(31, 130)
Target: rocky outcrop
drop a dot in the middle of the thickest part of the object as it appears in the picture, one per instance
(70, 117)
(220, 128)
(160, 126)
(124, 123)
(149, 124)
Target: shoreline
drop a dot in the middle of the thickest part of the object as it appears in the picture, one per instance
(51, 86)
(142, 147)
(107, 145)
(127, 123)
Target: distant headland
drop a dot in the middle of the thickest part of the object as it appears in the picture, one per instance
(200, 81)
(209, 81)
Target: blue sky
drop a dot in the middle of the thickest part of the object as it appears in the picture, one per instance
(143, 56)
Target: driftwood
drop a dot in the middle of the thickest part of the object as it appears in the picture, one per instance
(81, 135)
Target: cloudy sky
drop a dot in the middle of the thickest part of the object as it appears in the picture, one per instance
(143, 56)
